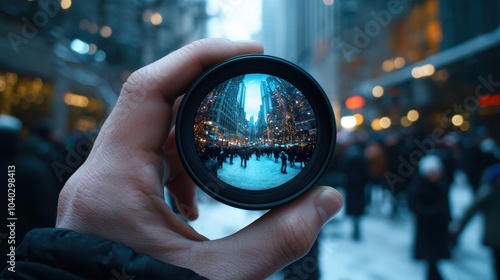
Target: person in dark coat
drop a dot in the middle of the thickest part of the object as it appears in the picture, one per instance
(489, 203)
(33, 189)
(355, 167)
(428, 199)
(283, 158)
(221, 158)
(276, 153)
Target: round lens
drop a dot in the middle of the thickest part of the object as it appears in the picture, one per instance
(255, 132)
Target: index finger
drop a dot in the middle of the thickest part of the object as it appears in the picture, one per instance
(145, 104)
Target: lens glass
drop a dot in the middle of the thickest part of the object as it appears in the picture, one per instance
(255, 131)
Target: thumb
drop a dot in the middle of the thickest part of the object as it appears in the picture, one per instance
(279, 237)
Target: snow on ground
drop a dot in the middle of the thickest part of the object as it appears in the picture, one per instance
(260, 174)
(385, 250)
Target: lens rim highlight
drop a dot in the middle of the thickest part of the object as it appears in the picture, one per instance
(251, 199)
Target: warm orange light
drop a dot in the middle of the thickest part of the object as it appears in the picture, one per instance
(65, 4)
(76, 100)
(354, 102)
(106, 31)
(156, 19)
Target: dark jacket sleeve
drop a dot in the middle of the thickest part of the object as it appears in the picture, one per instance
(480, 201)
(52, 253)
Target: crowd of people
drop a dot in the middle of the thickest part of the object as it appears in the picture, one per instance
(112, 215)
(43, 162)
(215, 157)
(418, 174)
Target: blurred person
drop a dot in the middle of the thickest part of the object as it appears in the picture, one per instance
(43, 143)
(377, 160)
(478, 155)
(276, 153)
(283, 157)
(395, 148)
(34, 188)
(355, 168)
(489, 203)
(231, 156)
(220, 158)
(428, 199)
(112, 216)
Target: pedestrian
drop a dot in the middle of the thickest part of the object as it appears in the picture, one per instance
(355, 167)
(284, 158)
(231, 156)
(291, 157)
(221, 158)
(276, 153)
(489, 203)
(246, 158)
(428, 199)
(114, 223)
(32, 188)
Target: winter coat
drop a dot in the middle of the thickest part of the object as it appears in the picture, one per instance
(61, 254)
(489, 204)
(355, 167)
(430, 203)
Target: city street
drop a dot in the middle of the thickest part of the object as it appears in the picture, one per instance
(260, 174)
(385, 250)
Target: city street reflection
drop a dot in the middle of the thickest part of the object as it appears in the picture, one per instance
(255, 131)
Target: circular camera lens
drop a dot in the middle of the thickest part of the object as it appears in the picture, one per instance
(255, 131)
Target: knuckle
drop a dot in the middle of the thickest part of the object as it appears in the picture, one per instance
(297, 238)
(133, 83)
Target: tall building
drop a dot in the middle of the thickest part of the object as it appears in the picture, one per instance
(397, 55)
(289, 116)
(242, 95)
(223, 115)
(79, 53)
(252, 130)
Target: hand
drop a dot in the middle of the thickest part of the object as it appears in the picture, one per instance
(118, 192)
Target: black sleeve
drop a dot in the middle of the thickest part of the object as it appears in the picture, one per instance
(59, 254)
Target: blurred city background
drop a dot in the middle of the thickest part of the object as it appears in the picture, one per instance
(406, 79)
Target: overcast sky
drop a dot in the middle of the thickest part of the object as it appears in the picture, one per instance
(237, 20)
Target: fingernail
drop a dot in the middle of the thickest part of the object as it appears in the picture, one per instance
(189, 212)
(328, 203)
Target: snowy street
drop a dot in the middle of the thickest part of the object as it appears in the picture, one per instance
(260, 174)
(385, 249)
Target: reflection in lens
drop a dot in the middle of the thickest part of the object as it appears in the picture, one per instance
(255, 131)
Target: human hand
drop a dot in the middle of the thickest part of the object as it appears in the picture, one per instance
(118, 191)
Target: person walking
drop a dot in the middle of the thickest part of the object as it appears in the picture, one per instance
(220, 158)
(355, 168)
(284, 158)
(428, 199)
(489, 203)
